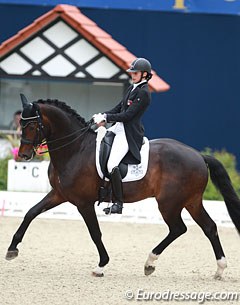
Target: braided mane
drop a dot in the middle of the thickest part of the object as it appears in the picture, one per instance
(64, 107)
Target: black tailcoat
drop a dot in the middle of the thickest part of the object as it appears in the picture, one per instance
(130, 111)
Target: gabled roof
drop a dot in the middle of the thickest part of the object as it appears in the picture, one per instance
(88, 29)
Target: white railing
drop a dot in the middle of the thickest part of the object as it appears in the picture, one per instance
(18, 203)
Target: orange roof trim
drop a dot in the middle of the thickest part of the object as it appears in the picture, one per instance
(88, 29)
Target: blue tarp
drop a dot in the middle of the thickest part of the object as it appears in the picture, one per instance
(184, 6)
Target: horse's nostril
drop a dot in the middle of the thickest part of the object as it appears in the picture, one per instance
(23, 156)
(20, 155)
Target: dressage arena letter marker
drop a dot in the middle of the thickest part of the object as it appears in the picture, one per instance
(34, 174)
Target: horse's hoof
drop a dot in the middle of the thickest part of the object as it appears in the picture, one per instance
(95, 274)
(98, 272)
(217, 277)
(11, 254)
(149, 270)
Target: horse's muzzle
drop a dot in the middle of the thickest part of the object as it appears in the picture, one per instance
(26, 155)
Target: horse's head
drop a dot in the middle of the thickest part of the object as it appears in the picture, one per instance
(32, 129)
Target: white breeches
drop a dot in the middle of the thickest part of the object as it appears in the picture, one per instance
(119, 146)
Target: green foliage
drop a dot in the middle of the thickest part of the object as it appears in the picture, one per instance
(229, 162)
(3, 173)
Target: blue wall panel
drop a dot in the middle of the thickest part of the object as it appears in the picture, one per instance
(197, 54)
(181, 6)
(16, 17)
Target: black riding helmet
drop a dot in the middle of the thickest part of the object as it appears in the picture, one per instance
(142, 65)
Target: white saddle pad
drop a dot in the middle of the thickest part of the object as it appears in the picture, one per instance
(135, 172)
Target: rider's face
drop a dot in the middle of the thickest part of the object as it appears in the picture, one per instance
(136, 76)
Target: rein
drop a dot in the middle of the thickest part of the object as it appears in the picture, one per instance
(84, 129)
(38, 141)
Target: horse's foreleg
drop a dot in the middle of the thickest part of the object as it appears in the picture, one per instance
(176, 228)
(89, 215)
(51, 200)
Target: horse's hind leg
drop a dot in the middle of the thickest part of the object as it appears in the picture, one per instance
(176, 229)
(51, 200)
(209, 228)
(89, 215)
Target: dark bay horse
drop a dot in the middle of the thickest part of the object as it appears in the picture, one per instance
(177, 176)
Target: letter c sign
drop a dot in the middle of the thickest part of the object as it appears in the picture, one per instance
(35, 172)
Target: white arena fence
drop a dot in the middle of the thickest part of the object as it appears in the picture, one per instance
(18, 203)
(28, 184)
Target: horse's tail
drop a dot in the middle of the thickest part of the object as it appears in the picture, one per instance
(222, 182)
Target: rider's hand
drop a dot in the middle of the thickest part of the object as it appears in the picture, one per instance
(99, 118)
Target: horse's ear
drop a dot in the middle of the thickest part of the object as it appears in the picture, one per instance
(24, 100)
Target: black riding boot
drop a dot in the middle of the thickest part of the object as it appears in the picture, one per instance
(116, 181)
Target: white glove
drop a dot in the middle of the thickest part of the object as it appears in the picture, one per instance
(98, 118)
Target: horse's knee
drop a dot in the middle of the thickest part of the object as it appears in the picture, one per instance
(31, 214)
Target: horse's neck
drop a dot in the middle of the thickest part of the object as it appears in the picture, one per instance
(75, 150)
(64, 134)
(60, 123)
